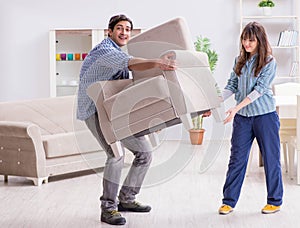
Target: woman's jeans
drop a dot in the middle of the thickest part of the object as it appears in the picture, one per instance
(142, 150)
(265, 128)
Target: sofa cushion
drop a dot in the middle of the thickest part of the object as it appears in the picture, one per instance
(137, 97)
(70, 143)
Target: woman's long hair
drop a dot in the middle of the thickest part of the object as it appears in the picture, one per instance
(251, 31)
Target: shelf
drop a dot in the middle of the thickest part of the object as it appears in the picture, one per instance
(80, 32)
(284, 47)
(271, 17)
(283, 79)
(69, 61)
(287, 76)
(67, 85)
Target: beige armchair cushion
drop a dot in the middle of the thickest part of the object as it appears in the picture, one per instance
(136, 97)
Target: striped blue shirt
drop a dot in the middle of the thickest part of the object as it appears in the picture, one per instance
(106, 61)
(246, 85)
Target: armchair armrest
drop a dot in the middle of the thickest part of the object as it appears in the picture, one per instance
(193, 77)
(100, 91)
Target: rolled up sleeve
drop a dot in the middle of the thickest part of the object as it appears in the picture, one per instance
(266, 77)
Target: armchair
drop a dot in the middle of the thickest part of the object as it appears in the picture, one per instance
(153, 99)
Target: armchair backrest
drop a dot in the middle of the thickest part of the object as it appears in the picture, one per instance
(286, 89)
(173, 34)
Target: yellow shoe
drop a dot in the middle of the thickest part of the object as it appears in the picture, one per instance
(269, 209)
(225, 209)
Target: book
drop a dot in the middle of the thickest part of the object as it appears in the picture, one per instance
(294, 69)
(287, 38)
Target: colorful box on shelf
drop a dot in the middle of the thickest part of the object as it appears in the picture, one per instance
(70, 56)
(63, 56)
(77, 56)
(83, 55)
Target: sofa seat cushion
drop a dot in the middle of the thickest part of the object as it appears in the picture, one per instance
(136, 97)
(71, 143)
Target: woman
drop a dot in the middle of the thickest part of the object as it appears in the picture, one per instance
(254, 116)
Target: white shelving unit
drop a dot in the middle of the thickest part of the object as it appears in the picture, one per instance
(64, 74)
(285, 17)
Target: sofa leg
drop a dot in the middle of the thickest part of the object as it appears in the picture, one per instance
(117, 149)
(153, 138)
(38, 181)
(187, 121)
(5, 178)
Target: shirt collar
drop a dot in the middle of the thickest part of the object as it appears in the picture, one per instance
(253, 58)
(113, 43)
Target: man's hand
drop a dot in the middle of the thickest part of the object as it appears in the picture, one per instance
(206, 114)
(167, 62)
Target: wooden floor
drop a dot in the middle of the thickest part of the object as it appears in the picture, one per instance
(181, 196)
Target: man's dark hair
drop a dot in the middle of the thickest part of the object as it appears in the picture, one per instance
(116, 19)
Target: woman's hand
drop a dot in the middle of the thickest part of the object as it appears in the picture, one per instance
(230, 115)
(231, 112)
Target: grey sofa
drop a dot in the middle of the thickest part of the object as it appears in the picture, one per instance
(40, 138)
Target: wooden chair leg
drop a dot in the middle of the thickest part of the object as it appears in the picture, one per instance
(285, 159)
(260, 160)
(291, 155)
(298, 166)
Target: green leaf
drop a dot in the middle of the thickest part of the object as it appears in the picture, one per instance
(202, 44)
(266, 3)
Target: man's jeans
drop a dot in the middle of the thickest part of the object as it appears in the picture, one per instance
(142, 150)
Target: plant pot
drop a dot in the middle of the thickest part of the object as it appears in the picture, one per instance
(196, 136)
(267, 11)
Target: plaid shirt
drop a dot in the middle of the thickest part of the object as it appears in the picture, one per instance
(247, 85)
(106, 61)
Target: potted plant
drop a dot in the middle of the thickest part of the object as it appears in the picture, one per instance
(267, 6)
(197, 133)
(202, 44)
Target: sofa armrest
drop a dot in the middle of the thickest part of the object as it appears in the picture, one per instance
(22, 152)
(16, 129)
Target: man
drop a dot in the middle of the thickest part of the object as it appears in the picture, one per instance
(108, 62)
